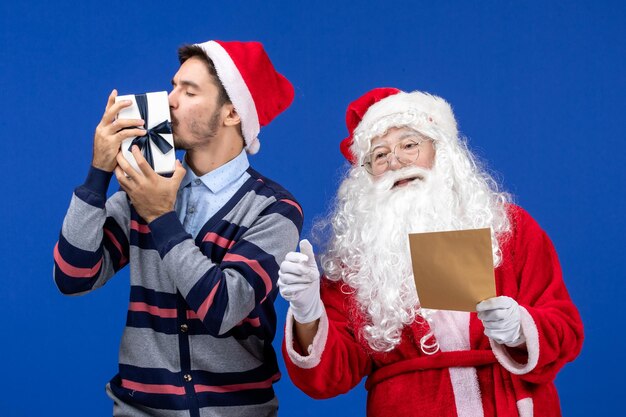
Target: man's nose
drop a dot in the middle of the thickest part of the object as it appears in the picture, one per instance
(171, 98)
(393, 161)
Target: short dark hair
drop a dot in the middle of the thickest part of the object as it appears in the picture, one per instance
(189, 51)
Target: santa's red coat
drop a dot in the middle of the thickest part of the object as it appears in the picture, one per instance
(470, 375)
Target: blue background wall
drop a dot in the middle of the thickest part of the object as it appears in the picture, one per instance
(538, 88)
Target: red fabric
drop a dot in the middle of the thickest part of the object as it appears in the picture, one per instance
(355, 112)
(530, 273)
(439, 361)
(271, 91)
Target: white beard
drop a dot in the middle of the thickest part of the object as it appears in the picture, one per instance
(370, 247)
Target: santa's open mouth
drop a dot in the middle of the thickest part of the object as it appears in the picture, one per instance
(404, 181)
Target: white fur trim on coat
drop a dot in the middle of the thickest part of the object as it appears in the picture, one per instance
(452, 332)
(529, 330)
(315, 350)
(525, 407)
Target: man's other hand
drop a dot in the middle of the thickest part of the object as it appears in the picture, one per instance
(151, 194)
(111, 132)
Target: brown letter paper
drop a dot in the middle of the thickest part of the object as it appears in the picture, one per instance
(453, 270)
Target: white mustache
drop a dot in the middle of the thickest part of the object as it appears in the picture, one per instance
(386, 181)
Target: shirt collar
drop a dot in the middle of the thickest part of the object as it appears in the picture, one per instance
(221, 177)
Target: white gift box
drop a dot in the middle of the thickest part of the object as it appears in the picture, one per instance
(158, 126)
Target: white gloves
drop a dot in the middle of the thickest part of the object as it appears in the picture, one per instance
(502, 320)
(299, 283)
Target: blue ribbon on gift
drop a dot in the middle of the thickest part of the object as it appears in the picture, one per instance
(153, 134)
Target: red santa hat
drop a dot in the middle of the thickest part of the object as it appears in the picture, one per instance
(380, 109)
(258, 92)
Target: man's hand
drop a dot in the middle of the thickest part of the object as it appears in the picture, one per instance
(151, 194)
(502, 320)
(109, 134)
(299, 283)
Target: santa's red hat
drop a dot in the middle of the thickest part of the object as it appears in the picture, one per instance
(258, 92)
(380, 109)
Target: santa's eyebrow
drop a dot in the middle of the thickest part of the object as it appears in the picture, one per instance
(410, 134)
(401, 137)
(379, 145)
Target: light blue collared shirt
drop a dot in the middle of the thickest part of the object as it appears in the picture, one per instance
(199, 198)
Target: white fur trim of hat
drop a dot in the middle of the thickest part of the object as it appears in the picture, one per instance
(428, 114)
(238, 91)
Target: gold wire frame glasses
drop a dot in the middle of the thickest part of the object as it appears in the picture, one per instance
(406, 152)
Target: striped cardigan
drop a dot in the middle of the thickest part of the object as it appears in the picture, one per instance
(201, 318)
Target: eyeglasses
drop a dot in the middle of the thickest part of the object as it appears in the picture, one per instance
(406, 152)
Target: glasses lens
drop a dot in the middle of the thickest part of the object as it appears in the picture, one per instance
(376, 162)
(407, 151)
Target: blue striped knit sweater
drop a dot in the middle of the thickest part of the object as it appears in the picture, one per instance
(201, 318)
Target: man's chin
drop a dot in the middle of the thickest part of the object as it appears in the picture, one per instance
(179, 143)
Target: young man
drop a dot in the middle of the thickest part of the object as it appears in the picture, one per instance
(204, 246)
(411, 173)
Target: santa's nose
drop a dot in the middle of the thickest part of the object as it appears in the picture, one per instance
(394, 162)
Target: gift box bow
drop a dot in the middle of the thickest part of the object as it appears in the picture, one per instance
(153, 134)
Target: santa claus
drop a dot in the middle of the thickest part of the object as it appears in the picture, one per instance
(412, 173)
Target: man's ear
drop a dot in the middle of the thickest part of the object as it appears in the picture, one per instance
(231, 117)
